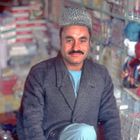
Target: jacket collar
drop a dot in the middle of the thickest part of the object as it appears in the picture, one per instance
(64, 82)
(62, 72)
(87, 74)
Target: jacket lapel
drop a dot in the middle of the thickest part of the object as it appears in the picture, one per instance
(87, 86)
(64, 83)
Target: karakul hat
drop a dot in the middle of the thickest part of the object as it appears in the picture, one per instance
(75, 16)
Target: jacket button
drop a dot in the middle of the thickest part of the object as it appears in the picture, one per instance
(74, 120)
(52, 134)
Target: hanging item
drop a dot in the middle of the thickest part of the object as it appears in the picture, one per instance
(36, 9)
(131, 67)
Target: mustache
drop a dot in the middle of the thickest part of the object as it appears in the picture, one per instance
(78, 51)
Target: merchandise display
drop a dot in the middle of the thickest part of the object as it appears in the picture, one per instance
(130, 73)
(21, 42)
(23, 28)
(36, 9)
(3, 54)
(7, 28)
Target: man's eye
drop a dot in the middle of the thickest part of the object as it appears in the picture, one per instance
(83, 40)
(68, 40)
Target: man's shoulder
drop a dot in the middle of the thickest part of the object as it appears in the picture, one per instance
(97, 66)
(99, 71)
(43, 66)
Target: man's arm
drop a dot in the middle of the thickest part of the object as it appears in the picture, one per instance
(109, 113)
(30, 117)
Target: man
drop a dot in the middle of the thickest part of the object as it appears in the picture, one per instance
(66, 97)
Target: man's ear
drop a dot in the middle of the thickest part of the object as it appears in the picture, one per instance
(91, 42)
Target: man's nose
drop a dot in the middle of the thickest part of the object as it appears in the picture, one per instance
(76, 45)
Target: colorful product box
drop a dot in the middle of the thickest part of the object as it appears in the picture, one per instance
(39, 24)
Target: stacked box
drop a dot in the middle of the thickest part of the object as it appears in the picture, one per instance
(23, 26)
(9, 103)
(38, 24)
(3, 54)
(2, 102)
(85, 2)
(18, 50)
(39, 28)
(7, 28)
(27, 31)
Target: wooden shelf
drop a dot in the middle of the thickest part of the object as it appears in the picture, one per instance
(8, 118)
(6, 4)
(132, 93)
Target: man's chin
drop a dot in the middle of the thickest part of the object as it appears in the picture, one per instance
(76, 63)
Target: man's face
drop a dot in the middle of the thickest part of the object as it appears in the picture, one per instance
(75, 44)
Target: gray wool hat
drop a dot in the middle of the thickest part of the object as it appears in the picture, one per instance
(75, 16)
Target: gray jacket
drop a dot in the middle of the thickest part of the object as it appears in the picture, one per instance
(49, 99)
